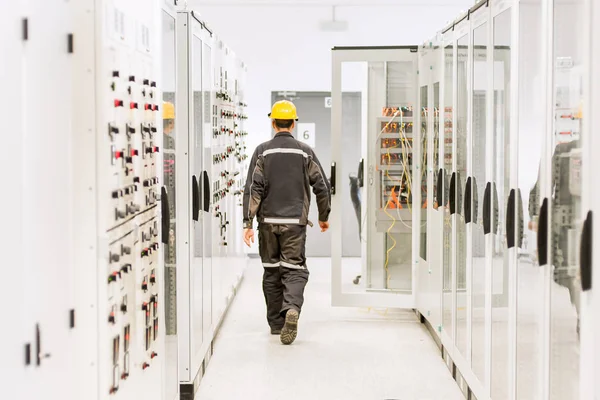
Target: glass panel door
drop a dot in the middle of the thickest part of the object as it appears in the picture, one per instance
(478, 189)
(501, 179)
(565, 220)
(381, 131)
(169, 165)
(530, 288)
(206, 149)
(422, 172)
(460, 176)
(448, 138)
(197, 234)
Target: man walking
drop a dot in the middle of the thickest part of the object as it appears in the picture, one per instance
(277, 193)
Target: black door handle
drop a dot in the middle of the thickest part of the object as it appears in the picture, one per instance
(487, 208)
(510, 220)
(195, 199)
(164, 215)
(585, 257)
(332, 178)
(452, 194)
(542, 236)
(205, 191)
(361, 173)
(521, 225)
(468, 200)
(439, 194)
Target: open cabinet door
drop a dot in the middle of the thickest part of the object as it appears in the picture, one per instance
(389, 202)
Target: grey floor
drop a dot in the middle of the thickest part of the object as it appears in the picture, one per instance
(340, 353)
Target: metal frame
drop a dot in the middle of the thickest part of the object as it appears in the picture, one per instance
(339, 298)
(169, 8)
(591, 326)
(190, 361)
(431, 58)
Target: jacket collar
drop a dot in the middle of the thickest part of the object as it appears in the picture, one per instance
(283, 133)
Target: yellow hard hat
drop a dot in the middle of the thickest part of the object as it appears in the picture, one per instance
(284, 110)
(168, 110)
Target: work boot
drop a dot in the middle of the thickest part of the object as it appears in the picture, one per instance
(290, 329)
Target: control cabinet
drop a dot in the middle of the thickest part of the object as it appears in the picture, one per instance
(119, 175)
(210, 156)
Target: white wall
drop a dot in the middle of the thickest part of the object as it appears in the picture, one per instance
(285, 49)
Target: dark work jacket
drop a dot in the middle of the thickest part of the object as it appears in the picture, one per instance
(280, 176)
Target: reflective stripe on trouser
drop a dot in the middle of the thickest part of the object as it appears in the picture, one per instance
(281, 249)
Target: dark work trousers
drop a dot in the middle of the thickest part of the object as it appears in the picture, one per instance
(281, 249)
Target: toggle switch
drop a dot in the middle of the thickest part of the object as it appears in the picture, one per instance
(152, 84)
(146, 252)
(145, 365)
(131, 78)
(148, 107)
(112, 129)
(155, 107)
(116, 194)
(155, 149)
(153, 355)
(125, 250)
(111, 317)
(153, 279)
(146, 82)
(154, 246)
(153, 129)
(136, 179)
(114, 277)
(130, 129)
(126, 268)
(118, 103)
(134, 152)
(114, 257)
(123, 308)
(133, 105)
(146, 183)
(119, 154)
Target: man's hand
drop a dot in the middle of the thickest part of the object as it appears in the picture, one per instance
(248, 236)
(324, 226)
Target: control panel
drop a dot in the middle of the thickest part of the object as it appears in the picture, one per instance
(229, 157)
(129, 177)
